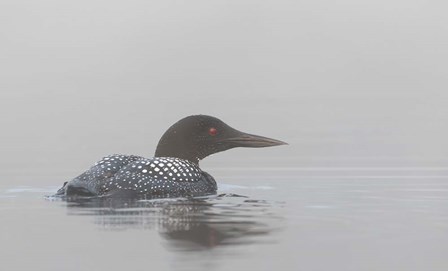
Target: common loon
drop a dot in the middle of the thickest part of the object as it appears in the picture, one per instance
(173, 172)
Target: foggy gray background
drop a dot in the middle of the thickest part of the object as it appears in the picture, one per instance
(346, 83)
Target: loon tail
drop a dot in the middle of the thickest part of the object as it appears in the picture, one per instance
(74, 188)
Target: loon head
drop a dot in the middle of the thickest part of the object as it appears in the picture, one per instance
(196, 137)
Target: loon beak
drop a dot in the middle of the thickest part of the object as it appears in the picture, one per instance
(252, 141)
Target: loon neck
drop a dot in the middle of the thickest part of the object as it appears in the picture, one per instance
(167, 148)
(180, 142)
(190, 158)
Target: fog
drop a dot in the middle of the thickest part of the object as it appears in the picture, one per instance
(346, 83)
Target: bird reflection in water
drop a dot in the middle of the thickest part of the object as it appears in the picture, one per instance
(199, 223)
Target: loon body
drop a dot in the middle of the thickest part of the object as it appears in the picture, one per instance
(174, 171)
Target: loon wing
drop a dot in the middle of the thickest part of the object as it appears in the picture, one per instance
(89, 182)
(157, 177)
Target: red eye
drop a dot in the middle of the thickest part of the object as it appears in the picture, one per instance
(212, 131)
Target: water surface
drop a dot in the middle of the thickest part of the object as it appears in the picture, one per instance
(315, 218)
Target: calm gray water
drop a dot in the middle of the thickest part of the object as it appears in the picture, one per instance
(357, 88)
(263, 218)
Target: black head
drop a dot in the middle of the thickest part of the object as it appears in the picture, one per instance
(196, 137)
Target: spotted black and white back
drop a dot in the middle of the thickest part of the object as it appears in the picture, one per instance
(134, 175)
